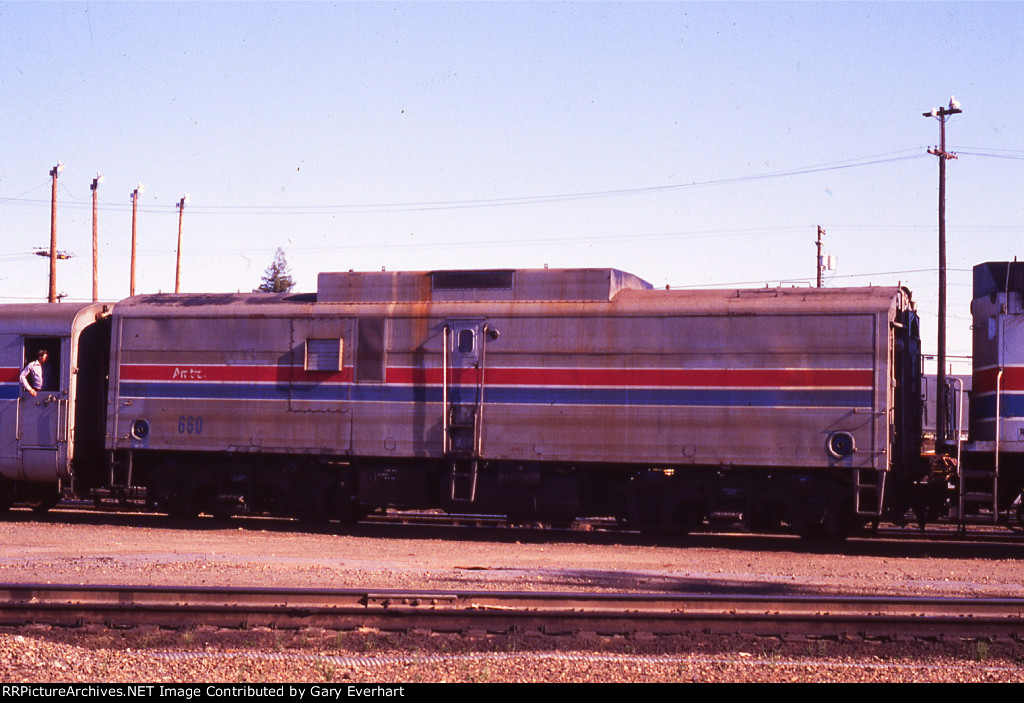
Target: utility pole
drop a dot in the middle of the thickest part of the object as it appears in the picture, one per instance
(177, 265)
(95, 240)
(942, 114)
(135, 210)
(54, 172)
(821, 262)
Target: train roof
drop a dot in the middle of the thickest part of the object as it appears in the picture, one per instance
(580, 285)
(998, 277)
(556, 291)
(50, 318)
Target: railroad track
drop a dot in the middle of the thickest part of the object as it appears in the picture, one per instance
(937, 532)
(513, 612)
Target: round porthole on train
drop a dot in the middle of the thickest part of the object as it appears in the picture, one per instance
(841, 444)
(140, 429)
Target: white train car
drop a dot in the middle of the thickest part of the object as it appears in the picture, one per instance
(546, 394)
(47, 438)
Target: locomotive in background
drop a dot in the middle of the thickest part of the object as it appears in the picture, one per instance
(538, 394)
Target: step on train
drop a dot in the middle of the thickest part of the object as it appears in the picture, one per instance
(541, 395)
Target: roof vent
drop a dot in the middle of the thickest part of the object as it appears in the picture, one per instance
(476, 286)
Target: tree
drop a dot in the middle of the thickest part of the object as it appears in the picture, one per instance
(277, 278)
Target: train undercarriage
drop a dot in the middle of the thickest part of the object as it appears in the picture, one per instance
(674, 500)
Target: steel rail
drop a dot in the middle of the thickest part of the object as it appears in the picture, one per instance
(511, 612)
(938, 531)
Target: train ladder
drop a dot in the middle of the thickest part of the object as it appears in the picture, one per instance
(121, 471)
(461, 424)
(979, 487)
(463, 473)
(978, 496)
(869, 492)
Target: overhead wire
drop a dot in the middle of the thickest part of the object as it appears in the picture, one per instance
(889, 157)
(412, 206)
(808, 279)
(1015, 157)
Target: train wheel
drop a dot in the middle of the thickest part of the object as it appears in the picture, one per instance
(41, 499)
(833, 525)
(686, 516)
(1015, 515)
(6, 495)
(343, 506)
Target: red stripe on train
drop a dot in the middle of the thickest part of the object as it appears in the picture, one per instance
(985, 380)
(697, 378)
(238, 374)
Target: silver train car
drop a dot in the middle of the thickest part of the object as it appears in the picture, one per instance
(538, 394)
(991, 477)
(45, 436)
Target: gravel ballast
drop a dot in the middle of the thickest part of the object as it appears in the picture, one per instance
(76, 547)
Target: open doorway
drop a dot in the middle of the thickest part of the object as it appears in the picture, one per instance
(52, 366)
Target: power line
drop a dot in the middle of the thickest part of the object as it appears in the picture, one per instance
(760, 232)
(414, 206)
(1016, 157)
(987, 150)
(809, 280)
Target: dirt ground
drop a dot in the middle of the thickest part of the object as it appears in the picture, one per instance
(78, 547)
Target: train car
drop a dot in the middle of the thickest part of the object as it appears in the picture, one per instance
(47, 437)
(541, 394)
(992, 476)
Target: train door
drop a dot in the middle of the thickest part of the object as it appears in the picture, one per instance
(40, 416)
(463, 402)
(320, 382)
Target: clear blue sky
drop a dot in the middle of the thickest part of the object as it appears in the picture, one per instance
(690, 143)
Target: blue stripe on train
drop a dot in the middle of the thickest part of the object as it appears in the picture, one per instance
(340, 393)
(1012, 405)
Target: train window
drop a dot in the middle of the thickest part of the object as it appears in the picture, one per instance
(465, 341)
(323, 354)
(51, 368)
(370, 355)
(472, 280)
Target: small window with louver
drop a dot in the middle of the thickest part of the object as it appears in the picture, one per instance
(323, 354)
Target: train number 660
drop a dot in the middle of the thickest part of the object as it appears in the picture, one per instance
(190, 425)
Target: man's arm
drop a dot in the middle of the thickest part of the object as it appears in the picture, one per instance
(24, 380)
